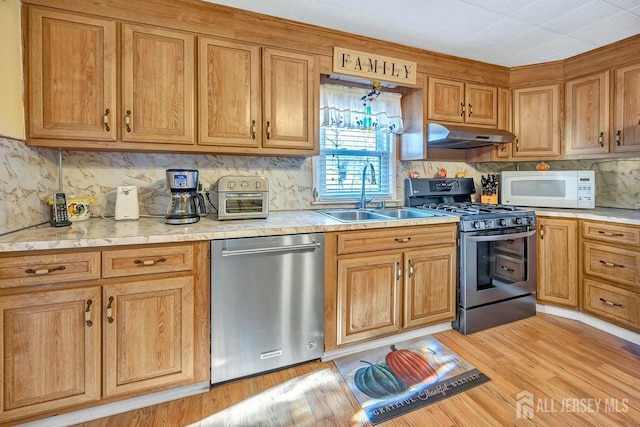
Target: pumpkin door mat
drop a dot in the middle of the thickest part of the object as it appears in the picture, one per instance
(394, 380)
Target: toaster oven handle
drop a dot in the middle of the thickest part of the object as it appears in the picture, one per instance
(501, 237)
(289, 248)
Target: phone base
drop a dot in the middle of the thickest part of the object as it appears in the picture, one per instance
(54, 223)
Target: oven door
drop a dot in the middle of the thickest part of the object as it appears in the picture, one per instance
(496, 265)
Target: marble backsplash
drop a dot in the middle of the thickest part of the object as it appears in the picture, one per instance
(30, 176)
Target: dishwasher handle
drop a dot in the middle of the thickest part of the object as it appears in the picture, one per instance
(287, 248)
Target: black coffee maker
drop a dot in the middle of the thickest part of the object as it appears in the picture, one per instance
(186, 205)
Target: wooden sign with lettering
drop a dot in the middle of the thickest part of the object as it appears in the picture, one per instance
(373, 67)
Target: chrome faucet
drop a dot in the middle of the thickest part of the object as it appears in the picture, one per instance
(363, 199)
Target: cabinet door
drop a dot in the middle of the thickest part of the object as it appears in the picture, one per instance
(148, 335)
(71, 76)
(229, 89)
(157, 85)
(445, 100)
(482, 104)
(587, 115)
(50, 350)
(557, 261)
(503, 151)
(289, 100)
(627, 109)
(430, 285)
(536, 121)
(368, 297)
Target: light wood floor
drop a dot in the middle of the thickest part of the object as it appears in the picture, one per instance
(566, 365)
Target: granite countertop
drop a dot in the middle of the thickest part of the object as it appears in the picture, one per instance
(97, 232)
(624, 216)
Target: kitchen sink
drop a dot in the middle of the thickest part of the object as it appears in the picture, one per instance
(383, 214)
(354, 215)
(402, 213)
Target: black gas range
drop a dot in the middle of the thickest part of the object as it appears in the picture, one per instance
(496, 252)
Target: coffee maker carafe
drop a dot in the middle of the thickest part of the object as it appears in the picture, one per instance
(186, 205)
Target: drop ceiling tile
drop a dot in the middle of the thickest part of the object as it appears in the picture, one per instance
(503, 29)
(610, 30)
(581, 17)
(624, 4)
(560, 47)
(543, 11)
(282, 9)
(504, 7)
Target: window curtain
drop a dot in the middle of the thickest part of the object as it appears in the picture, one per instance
(352, 108)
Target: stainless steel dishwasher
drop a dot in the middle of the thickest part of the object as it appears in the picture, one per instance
(267, 303)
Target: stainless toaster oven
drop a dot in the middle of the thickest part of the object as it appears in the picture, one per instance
(241, 197)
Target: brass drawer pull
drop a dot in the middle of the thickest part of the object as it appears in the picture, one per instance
(87, 313)
(410, 268)
(470, 110)
(402, 239)
(610, 233)
(44, 270)
(253, 129)
(149, 262)
(600, 139)
(398, 271)
(611, 264)
(268, 130)
(611, 303)
(109, 313)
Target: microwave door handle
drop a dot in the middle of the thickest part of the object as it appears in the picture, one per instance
(503, 237)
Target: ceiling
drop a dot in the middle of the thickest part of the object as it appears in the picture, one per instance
(502, 32)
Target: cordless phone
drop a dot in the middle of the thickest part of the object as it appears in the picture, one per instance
(59, 215)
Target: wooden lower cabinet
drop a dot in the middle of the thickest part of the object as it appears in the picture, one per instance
(611, 272)
(374, 287)
(50, 350)
(76, 343)
(148, 335)
(558, 261)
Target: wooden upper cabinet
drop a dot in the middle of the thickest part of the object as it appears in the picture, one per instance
(626, 115)
(253, 103)
(290, 82)
(229, 88)
(157, 85)
(587, 112)
(71, 76)
(505, 115)
(536, 123)
(460, 102)
(50, 351)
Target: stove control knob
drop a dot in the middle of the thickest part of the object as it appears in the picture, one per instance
(504, 222)
(231, 184)
(244, 184)
(478, 224)
(487, 224)
(519, 221)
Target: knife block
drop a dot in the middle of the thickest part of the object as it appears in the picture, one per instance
(490, 199)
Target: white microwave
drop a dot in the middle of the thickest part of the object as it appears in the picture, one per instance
(549, 189)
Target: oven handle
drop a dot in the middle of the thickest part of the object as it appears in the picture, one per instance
(502, 237)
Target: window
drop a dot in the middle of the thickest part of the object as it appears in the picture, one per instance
(356, 130)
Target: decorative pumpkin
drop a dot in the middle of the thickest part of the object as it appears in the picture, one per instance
(444, 363)
(378, 381)
(409, 366)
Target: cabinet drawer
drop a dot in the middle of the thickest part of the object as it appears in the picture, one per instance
(612, 303)
(395, 238)
(611, 263)
(511, 269)
(49, 268)
(147, 260)
(611, 232)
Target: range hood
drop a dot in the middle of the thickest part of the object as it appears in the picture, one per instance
(461, 137)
